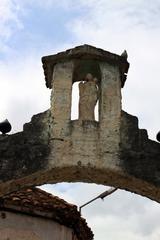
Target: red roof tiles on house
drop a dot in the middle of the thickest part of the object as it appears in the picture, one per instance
(36, 202)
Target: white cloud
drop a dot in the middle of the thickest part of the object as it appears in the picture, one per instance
(9, 23)
(24, 92)
(119, 25)
(29, 4)
(9, 19)
(121, 215)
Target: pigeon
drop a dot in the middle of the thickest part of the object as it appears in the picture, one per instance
(5, 126)
(124, 54)
(158, 136)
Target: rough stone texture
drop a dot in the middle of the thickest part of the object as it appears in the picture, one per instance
(61, 99)
(84, 52)
(140, 156)
(110, 112)
(52, 148)
(23, 153)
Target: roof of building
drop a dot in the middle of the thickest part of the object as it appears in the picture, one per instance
(36, 202)
(84, 52)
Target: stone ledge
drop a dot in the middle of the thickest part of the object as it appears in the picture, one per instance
(83, 52)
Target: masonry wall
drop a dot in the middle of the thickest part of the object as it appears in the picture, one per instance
(94, 142)
(17, 226)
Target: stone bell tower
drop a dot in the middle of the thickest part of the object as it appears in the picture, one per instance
(101, 75)
(53, 148)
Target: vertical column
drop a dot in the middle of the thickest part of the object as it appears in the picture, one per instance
(110, 110)
(61, 99)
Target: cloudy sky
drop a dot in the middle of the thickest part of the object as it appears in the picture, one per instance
(30, 29)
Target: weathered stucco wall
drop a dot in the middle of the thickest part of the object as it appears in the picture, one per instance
(17, 226)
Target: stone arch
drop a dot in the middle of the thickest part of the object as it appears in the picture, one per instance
(52, 148)
(107, 177)
(29, 158)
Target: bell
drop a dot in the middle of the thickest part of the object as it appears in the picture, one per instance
(158, 136)
(5, 126)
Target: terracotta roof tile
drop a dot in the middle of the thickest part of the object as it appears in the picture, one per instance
(35, 201)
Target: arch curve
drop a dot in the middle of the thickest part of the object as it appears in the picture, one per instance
(29, 158)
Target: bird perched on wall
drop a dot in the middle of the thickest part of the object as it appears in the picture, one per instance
(5, 126)
(124, 54)
(158, 136)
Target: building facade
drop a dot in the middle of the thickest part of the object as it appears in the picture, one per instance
(33, 214)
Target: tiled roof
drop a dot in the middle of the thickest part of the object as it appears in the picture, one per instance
(34, 201)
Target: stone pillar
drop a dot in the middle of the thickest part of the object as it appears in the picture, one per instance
(110, 111)
(61, 99)
(61, 112)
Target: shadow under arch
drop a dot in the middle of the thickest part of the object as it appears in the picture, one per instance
(85, 174)
(82, 67)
